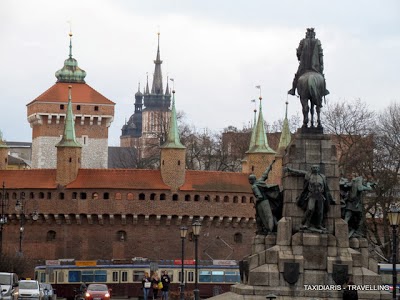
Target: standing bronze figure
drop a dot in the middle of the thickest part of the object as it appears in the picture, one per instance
(268, 202)
(314, 199)
(309, 79)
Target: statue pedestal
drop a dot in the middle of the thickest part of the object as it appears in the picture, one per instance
(296, 264)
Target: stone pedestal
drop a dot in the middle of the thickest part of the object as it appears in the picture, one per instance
(308, 260)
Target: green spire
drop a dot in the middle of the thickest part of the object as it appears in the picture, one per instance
(285, 135)
(70, 72)
(259, 141)
(2, 142)
(69, 138)
(173, 140)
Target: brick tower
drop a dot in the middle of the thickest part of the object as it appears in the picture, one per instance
(173, 153)
(69, 151)
(93, 115)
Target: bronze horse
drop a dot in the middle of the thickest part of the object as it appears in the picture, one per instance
(311, 86)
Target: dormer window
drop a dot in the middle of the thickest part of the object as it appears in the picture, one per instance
(61, 106)
(78, 107)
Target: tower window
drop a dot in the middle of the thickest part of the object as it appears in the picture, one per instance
(179, 162)
(252, 168)
(175, 197)
(61, 196)
(142, 196)
(61, 106)
(70, 159)
(106, 196)
(96, 108)
(78, 107)
(238, 238)
(51, 235)
(83, 196)
(152, 196)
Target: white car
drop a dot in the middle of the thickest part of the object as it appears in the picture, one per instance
(28, 290)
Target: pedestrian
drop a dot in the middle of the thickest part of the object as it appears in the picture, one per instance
(146, 285)
(165, 282)
(155, 280)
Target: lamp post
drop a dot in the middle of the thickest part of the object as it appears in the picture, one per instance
(20, 208)
(183, 237)
(3, 216)
(394, 220)
(196, 226)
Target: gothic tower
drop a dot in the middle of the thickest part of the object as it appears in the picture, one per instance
(154, 117)
(93, 114)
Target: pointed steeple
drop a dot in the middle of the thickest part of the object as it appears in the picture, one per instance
(167, 93)
(259, 144)
(69, 138)
(173, 140)
(157, 87)
(253, 133)
(285, 135)
(71, 73)
(147, 85)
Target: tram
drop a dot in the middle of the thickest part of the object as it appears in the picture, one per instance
(125, 279)
(386, 272)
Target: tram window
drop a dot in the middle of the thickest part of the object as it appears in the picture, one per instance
(124, 276)
(217, 276)
(87, 276)
(42, 277)
(115, 276)
(190, 276)
(205, 276)
(74, 276)
(180, 277)
(60, 276)
(51, 276)
(100, 276)
(231, 276)
(137, 275)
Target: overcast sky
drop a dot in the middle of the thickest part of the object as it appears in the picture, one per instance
(216, 50)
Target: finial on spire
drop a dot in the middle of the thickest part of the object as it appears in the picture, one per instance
(139, 86)
(173, 85)
(286, 109)
(70, 39)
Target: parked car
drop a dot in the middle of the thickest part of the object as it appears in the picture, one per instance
(47, 291)
(97, 291)
(8, 283)
(28, 290)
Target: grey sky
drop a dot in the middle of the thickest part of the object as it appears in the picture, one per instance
(217, 52)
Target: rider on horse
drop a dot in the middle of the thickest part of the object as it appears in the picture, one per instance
(310, 56)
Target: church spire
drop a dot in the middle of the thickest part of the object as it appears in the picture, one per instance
(285, 135)
(157, 87)
(69, 138)
(173, 140)
(259, 143)
(147, 84)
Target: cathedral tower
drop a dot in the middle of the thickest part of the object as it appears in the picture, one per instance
(154, 116)
(93, 114)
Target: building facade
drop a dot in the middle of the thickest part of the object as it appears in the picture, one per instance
(93, 115)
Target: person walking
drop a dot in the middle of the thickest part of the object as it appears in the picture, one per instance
(146, 285)
(165, 282)
(155, 280)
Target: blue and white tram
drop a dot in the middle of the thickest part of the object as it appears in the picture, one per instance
(125, 279)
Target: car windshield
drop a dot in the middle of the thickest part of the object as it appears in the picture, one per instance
(97, 287)
(5, 279)
(29, 285)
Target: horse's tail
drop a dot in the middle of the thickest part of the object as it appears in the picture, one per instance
(314, 89)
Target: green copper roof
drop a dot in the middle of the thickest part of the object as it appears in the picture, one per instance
(259, 143)
(173, 140)
(71, 72)
(285, 135)
(2, 143)
(69, 138)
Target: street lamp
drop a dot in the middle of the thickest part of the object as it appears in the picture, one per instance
(3, 216)
(20, 208)
(183, 237)
(394, 220)
(196, 226)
